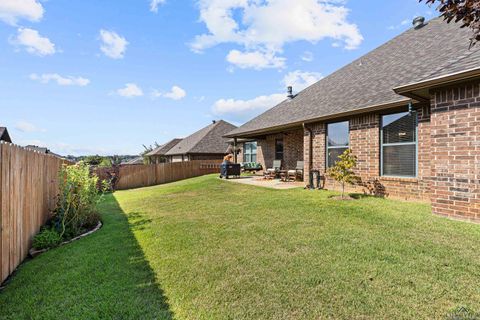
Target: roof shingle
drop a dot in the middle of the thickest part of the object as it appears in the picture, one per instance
(436, 49)
(164, 148)
(207, 140)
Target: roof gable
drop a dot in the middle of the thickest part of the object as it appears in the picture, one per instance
(207, 140)
(4, 136)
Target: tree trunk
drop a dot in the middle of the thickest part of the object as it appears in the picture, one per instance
(343, 190)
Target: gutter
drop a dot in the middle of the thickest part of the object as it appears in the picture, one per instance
(438, 81)
(372, 108)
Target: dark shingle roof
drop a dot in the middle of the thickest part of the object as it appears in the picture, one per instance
(164, 148)
(207, 140)
(436, 49)
(137, 160)
(4, 136)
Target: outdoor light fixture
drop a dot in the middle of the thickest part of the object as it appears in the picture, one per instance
(411, 110)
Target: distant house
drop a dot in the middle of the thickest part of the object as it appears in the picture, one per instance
(42, 150)
(158, 155)
(4, 136)
(208, 143)
(137, 160)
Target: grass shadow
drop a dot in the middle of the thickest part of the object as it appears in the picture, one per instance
(103, 276)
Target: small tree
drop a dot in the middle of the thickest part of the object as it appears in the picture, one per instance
(342, 171)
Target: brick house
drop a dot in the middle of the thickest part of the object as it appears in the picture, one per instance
(207, 143)
(159, 154)
(409, 110)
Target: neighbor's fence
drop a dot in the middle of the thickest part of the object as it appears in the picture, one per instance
(28, 189)
(136, 176)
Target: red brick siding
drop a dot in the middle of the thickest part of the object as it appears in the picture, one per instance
(292, 149)
(365, 144)
(455, 158)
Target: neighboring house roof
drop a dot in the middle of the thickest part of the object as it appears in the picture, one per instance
(137, 160)
(209, 140)
(164, 148)
(438, 48)
(42, 150)
(4, 136)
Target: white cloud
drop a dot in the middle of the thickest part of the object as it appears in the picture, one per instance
(246, 109)
(299, 80)
(13, 10)
(28, 127)
(33, 42)
(60, 80)
(241, 110)
(255, 60)
(114, 45)
(307, 56)
(266, 26)
(154, 4)
(176, 93)
(131, 90)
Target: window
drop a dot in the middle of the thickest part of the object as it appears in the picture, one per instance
(250, 152)
(337, 141)
(279, 149)
(399, 145)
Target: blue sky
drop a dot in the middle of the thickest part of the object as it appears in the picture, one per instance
(88, 77)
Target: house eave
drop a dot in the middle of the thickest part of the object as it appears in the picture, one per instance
(420, 89)
(299, 124)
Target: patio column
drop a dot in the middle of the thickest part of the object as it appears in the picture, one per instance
(235, 150)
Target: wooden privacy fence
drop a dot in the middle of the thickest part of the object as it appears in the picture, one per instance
(28, 190)
(136, 176)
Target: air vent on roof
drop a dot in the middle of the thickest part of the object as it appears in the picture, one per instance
(418, 22)
(290, 92)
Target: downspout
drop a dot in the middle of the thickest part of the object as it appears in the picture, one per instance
(310, 146)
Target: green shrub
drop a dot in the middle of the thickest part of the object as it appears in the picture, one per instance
(77, 200)
(47, 238)
(343, 170)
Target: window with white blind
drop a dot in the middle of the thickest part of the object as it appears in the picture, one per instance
(250, 152)
(337, 141)
(399, 145)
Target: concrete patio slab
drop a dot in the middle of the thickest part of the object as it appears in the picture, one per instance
(273, 184)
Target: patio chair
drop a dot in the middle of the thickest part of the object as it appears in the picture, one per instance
(297, 172)
(277, 165)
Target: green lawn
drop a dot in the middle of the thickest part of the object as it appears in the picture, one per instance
(209, 249)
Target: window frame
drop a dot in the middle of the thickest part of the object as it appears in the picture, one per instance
(415, 143)
(327, 147)
(250, 149)
(283, 149)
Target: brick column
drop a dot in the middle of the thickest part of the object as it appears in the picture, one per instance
(455, 146)
(318, 149)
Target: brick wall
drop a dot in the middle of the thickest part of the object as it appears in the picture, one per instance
(365, 144)
(292, 149)
(455, 158)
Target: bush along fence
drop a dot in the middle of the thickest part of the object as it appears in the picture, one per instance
(137, 176)
(28, 190)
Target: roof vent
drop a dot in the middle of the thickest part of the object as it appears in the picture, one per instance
(290, 92)
(418, 22)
